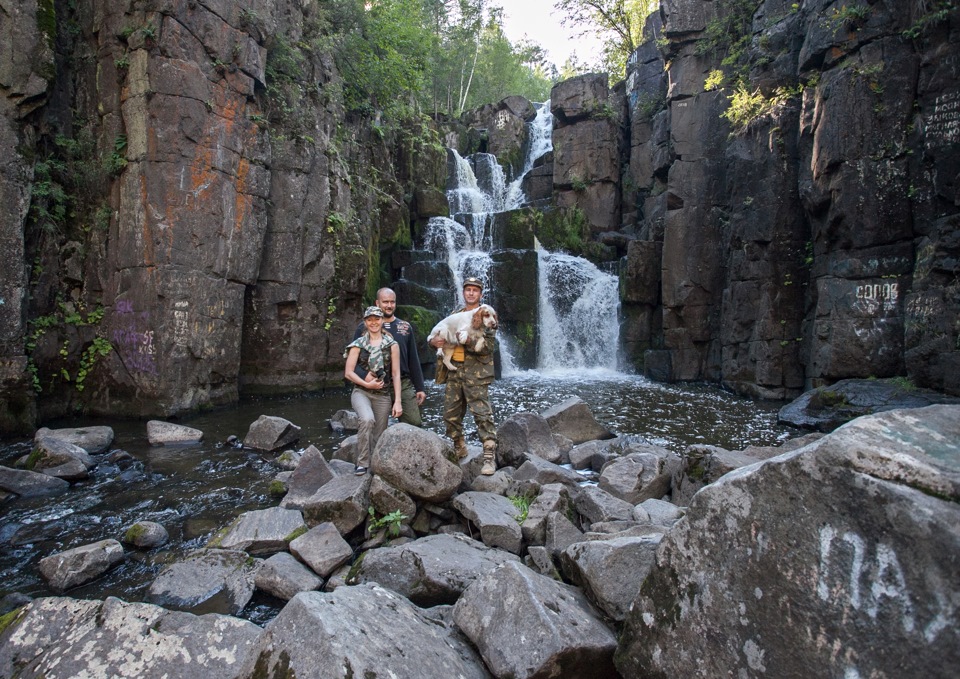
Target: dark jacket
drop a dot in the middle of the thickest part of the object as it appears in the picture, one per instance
(406, 336)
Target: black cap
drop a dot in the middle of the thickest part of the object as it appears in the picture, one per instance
(473, 280)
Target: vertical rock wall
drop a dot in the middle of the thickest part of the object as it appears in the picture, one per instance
(818, 240)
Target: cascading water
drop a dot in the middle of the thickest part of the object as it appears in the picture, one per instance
(578, 303)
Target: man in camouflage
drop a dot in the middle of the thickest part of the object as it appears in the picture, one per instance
(468, 386)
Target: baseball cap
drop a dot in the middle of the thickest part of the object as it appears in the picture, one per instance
(373, 311)
(473, 280)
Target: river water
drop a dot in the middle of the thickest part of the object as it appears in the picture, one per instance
(195, 490)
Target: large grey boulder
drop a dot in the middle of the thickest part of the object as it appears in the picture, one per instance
(26, 483)
(849, 543)
(59, 458)
(386, 499)
(415, 461)
(343, 502)
(145, 535)
(284, 577)
(63, 638)
(494, 516)
(269, 433)
(79, 565)
(522, 435)
(206, 581)
(597, 505)
(560, 533)
(310, 474)
(701, 465)
(542, 472)
(574, 420)
(433, 570)
(262, 532)
(362, 631)
(322, 548)
(160, 433)
(637, 477)
(528, 625)
(94, 440)
(611, 571)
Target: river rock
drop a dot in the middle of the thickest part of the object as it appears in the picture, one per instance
(269, 433)
(359, 631)
(494, 516)
(574, 420)
(542, 628)
(415, 461)
(322, 548)
(146, 535)
(59, 458)
(701, 465)
(386, 499)
(262, 532)
(660, 512)
(79, 565)
(433, 570)
(343, 502)
(161, 433)
(522, 435)
(311, 473)
(541, 472)
(206, 581)
(30, 484)
(289, 460)
(839, 557)
(590, 455)
(636, 477)
(596, 504)
(94, 440)
(284, 577)
(553, 497)
(826, 408)
(560, 533)
(63, 638)
(345, 420)
(610, 571)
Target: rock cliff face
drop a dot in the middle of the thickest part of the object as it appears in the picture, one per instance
(220, 217)
(814, 236)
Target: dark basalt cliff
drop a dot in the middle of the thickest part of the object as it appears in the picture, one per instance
(187, 213)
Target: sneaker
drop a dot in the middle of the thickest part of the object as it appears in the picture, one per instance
(360, 471)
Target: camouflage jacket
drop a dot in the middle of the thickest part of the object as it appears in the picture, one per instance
(478, 366)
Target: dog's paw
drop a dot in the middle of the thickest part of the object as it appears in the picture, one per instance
(481, 343)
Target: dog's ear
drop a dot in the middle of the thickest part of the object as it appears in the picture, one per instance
(477, 320)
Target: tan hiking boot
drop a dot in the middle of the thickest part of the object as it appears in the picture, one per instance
(460, 448)
(489, 458)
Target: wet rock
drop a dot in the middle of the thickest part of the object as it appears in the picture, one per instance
(311, 473)
(145, 535)
(432, 570)
(637, 477)
(596, 504)
(94, 440)
(62, 638)
(553, 497)
(288, 459)
(284, 577)
(826, 408)
(522, 435)
(494, 516)
(343, 502)
(269, 433)
(59, 458)
(262, 532)
(13, 601)
(166, 433)
(79, 565)
(543, 628)
(414, 460)
(849, 543)
(590, 455)
(362, 631)
(322, 548)
(206, 581)
(574, 420)
(611, 571)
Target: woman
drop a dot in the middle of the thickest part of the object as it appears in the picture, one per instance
(379, 354)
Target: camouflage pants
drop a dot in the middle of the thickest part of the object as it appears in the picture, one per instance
(463, 391)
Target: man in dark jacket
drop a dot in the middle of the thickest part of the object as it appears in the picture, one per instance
(412, 392)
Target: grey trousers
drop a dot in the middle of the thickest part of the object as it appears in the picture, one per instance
(373, 411)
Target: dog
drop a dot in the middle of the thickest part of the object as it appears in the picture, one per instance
(467, 328)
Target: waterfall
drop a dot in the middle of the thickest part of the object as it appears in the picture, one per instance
(578, 303)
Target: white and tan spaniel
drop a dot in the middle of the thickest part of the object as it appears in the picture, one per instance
(466, 328)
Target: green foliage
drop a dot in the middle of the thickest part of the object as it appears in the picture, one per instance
(728, 35)
(522, 503)
(64, 316)
(10, 618)
(937, 13)
(98, 348)
(746, 106)
(391, 522)
(714, 81)
(296, 532)
(619, 22)
(848, 16)
(118, 159)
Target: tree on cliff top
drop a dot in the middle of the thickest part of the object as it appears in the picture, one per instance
(619, 21)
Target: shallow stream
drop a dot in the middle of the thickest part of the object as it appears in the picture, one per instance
(195, 490)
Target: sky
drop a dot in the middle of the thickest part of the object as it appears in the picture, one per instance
(538, 21)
